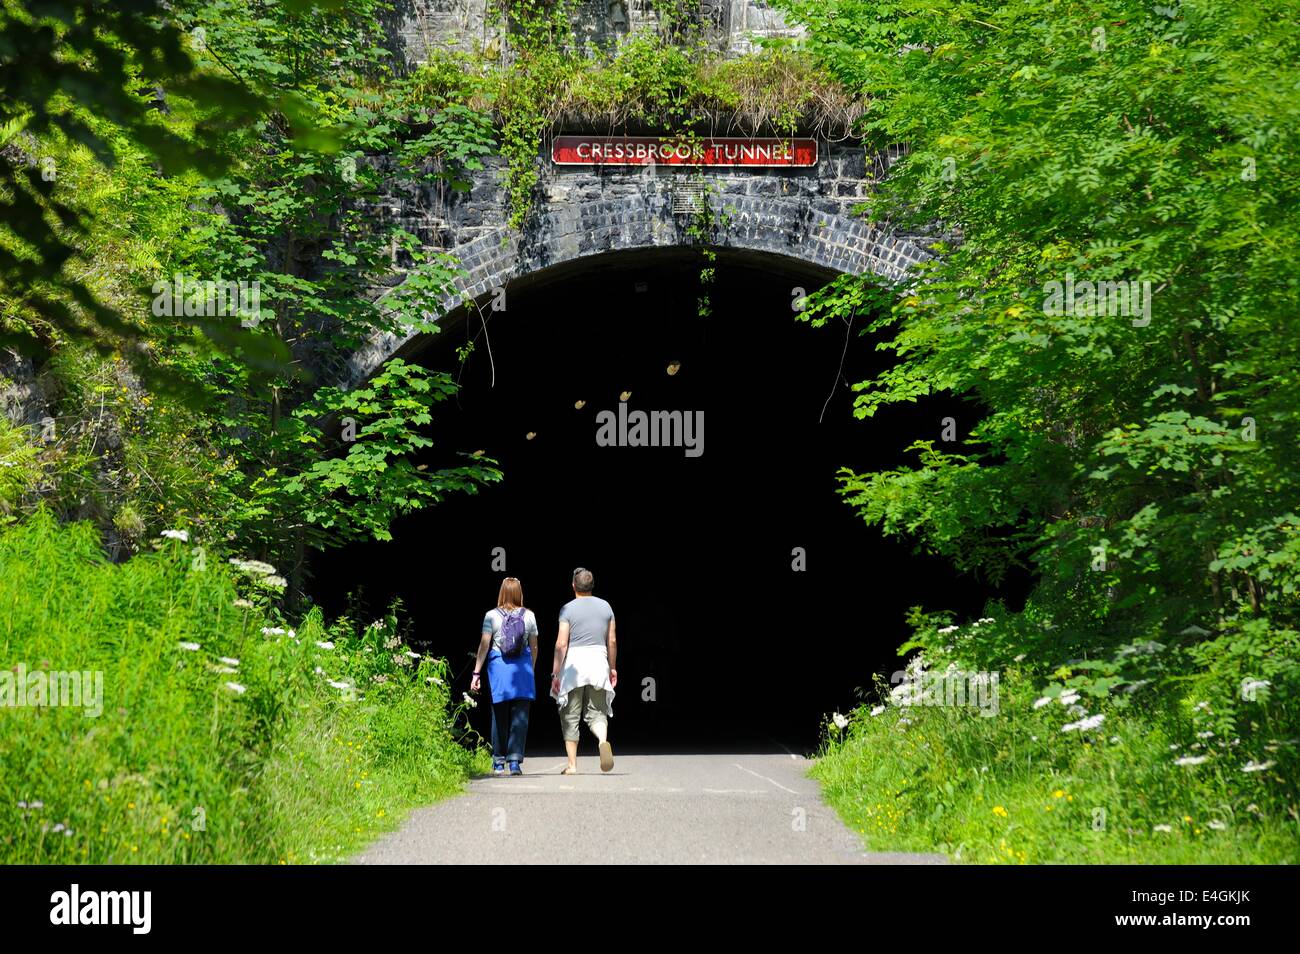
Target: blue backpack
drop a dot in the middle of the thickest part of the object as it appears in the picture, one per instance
(513, 630)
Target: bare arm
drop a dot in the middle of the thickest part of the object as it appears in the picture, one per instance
(611, 645)
(561, 650)
(484, 647)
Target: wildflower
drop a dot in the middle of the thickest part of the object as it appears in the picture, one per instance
(325, 644)
(1250, 686)
(469, 701)
(1253, 766)
(340, 685)
(999, 811)
(1068, 698)
(1042, 701)
(188, 647)
(840, 721)
(1216, 826)
(278, 582)
(412, 654)
(236, 687)
(948, 629)
(255, 567)
(272, 631)
(877, 710)
(1205, 735)
(1201, 707)
(243, 604)
(230, 661)
(1165, 828)
(1059, 793)
(1019, 657)
(224, 670)
(1191, 760)
(1084, 725)
(181, 535)
(434, 679)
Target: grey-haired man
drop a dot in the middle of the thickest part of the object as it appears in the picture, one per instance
(583, 673)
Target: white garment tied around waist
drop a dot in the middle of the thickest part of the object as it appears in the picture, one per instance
(586, 666)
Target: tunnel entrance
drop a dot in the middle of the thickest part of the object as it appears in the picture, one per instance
(723, 644)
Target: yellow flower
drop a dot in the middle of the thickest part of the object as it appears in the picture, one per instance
(999, 811)
(1058, 794)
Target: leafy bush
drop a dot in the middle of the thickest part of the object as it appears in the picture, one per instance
(1111, 297)
(225, 735)
(1096, 769)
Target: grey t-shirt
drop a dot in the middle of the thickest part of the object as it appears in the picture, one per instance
(588, 618)
(494, 618)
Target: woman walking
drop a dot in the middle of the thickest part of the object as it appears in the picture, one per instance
(509, 646)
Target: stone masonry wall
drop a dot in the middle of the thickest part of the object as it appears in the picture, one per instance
(419, 27)
(801, 214)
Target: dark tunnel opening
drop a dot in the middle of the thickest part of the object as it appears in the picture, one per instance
(723, 644)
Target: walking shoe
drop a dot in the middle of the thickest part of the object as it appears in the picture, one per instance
(606, 756)
(515, 769)
(499, 770)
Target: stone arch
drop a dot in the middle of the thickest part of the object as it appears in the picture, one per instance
(568, 233)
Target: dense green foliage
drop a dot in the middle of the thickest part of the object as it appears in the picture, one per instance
(260, 455)
(223, 734)
(1112, 293)
(1141, 461)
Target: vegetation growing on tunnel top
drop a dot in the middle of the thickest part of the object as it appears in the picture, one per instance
(670, 81)
(227, 735)
(1138, 456)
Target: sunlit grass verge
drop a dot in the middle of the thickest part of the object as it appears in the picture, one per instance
(1016, 789)
(225, 736)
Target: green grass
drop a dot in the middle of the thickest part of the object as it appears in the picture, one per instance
(181, 767)
(1014, 789)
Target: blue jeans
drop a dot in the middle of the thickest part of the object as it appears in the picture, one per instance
(509, 730)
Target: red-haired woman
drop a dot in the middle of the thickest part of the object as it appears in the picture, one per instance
(509, 646)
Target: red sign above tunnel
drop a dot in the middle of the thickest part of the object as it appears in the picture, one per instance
(667, 151)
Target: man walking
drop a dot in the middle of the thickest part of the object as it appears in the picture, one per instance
(583, 676)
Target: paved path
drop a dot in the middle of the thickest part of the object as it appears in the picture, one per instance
(685, 809)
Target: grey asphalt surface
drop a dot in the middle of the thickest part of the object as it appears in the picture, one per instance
(651, 809)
